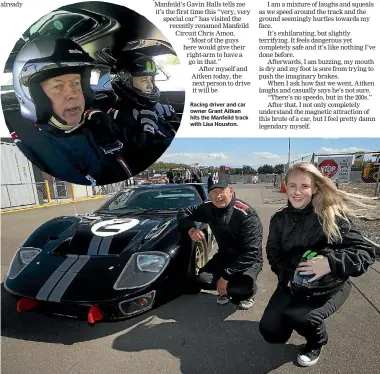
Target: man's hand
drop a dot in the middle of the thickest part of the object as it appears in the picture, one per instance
(101, 125)
(221, 286)
(318, 268)
(196, 235)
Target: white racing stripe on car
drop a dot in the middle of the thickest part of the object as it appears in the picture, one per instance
(105, 246)
(60, 289)
(82, 260)
(94, 245)
(48, 286)
(66, 280)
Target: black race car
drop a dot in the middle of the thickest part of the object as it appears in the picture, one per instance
(123, 259)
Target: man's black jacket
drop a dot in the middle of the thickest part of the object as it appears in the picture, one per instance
(70, 157)
(141, 148)
(238, 232)
(293, 231)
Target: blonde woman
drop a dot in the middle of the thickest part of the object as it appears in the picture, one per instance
(313, 248)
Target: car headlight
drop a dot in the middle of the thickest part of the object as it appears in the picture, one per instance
(151, 263)
(23, 257)
(141, 270)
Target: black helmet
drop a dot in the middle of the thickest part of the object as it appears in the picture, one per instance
(323, 287)
(45, 58)
(133, 64)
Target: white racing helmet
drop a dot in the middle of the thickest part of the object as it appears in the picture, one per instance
(45, 58)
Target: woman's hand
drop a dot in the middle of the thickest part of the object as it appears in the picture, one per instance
(317, 267)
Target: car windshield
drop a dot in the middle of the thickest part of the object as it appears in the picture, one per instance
(138, 199)
(169, 75)
(61, 24)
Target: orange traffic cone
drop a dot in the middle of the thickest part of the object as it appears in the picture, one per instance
(283, 188)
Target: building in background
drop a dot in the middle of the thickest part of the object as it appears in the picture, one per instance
(18, 184)
(24, 184)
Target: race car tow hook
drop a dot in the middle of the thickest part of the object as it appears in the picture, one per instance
(94, 315)
(24, 304)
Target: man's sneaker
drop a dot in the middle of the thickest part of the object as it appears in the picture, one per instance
(247, 304)
(309, 356)
(222, 300)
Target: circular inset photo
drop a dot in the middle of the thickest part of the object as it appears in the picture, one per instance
(92, 93)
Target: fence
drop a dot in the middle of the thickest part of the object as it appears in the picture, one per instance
(354, 172)
(24, 195)
(110, 189)
(33, 194)
(248, 178)
(307, 158)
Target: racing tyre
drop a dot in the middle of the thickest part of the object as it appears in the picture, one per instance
(197, 261)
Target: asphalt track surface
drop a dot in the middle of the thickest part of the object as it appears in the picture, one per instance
(191, 334)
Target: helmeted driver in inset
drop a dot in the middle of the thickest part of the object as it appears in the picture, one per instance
(52, 84)
(143, 122)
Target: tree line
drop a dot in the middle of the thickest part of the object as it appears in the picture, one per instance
(264, 169)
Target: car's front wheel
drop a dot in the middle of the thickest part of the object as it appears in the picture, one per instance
(197, 261)
(200, 255)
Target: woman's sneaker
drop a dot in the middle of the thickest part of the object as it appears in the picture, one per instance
(222, 300)
(309, 356)
(247, 304)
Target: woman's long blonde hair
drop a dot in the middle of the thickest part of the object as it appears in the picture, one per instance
(329, 202)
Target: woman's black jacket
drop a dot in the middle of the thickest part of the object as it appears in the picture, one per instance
(293, 231)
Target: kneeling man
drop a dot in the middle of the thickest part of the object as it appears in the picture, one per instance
(238, 231)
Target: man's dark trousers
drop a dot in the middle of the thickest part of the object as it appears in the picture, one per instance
(240, 286)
